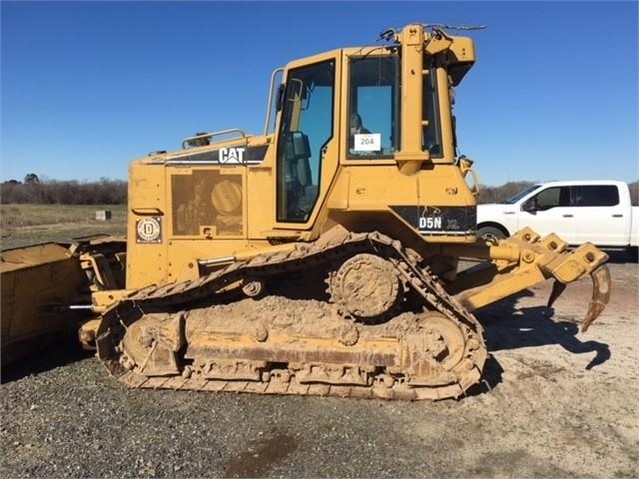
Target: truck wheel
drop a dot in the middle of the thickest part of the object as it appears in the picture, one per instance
(490, 233)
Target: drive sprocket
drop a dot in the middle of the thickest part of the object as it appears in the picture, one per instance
(366, 288)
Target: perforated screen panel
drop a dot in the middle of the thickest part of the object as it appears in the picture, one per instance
(207, 202)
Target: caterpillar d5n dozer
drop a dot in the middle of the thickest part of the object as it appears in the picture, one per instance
(320, 258)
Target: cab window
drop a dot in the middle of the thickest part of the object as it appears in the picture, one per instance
(432, 130)
(373, 116)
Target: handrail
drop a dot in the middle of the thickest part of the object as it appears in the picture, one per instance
(270, 99)
(211, 135)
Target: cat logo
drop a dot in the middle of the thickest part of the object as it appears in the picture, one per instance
(232, 155)
(149, 230)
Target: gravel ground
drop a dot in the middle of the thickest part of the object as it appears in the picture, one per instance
(555, 403)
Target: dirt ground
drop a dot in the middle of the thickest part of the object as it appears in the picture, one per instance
(563, 402)
(555, 402)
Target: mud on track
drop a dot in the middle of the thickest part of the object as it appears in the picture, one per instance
(555, 403)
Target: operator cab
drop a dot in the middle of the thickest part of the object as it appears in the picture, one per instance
(372, 106)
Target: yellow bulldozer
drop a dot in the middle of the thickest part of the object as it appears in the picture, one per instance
(319, 258)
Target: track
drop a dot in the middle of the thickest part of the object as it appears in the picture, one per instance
(172, 340)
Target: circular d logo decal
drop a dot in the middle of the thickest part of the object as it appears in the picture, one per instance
(149, 230)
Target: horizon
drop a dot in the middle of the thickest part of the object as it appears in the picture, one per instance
(544, 100)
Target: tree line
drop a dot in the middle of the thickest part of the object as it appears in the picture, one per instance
(495, 194)
(34, 190)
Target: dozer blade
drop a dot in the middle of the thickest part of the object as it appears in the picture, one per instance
(37, 282)
(601, 286)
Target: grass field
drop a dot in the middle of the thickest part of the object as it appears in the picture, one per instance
(22, 225)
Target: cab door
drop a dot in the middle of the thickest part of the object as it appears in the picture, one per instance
(306, 141)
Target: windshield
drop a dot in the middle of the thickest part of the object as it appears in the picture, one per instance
(515, 198)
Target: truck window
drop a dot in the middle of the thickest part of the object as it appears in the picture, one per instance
(516, 197)
(596, 195)
(548, 198)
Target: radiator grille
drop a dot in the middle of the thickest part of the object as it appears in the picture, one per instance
(207, 203)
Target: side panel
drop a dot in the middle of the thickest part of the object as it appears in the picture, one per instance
(147, 226)
(634, 227)
(192, 207)
(559, 220)
(601, 225)
(602, 214)
(208, 217)
(434, 203)
(260, 194)
(504, 215)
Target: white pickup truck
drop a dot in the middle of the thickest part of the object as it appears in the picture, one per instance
(600, 212)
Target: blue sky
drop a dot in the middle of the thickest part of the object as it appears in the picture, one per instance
(88, 86)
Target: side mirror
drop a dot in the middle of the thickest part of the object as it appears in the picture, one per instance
(529, 206)
(300, 147)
